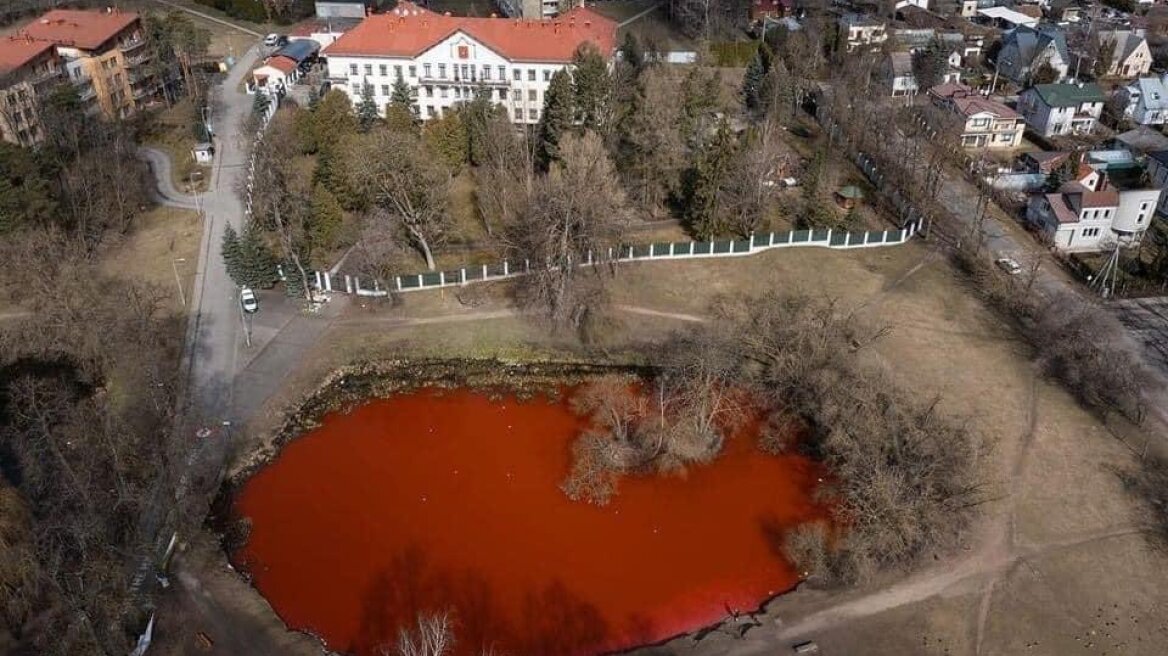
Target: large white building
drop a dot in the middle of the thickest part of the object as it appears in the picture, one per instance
(446, 59)
(1089, 214)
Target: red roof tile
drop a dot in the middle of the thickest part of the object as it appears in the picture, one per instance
(87, 30)
(409, 30)
(16, 51)
(281, 63)
(1106, 198)
(975, 105)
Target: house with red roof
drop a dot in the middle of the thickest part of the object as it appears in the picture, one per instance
(447, 60)
(986, 123)
(1091, 213)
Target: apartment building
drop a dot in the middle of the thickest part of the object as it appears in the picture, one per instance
(29, 70)
(447, 60)
(531, 9)
(105, 48)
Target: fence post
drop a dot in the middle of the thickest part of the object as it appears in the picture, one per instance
(397, 283)
(348, 285)
(328, 282)
(829, 238)
(441, 278)
(505, 267)
(462, 276)
(527, 266)
(319, 281)
(590, 257)
(357, 284)
(484, 272)
(630, 252)
(610, 253)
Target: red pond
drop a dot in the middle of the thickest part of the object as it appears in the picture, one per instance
(450, 501)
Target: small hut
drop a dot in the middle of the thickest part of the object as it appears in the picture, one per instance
(848, 196)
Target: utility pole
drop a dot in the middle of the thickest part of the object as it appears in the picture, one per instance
(182, 298)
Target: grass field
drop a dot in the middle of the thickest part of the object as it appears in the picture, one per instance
(165, 241)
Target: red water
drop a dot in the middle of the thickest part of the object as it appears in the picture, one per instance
(436, 501)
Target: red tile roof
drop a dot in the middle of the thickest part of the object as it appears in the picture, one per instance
(969, 106)
(1106, 198)
(16, 51)
(1062, 212)
(281, 63)
(87, 30)
(409, 30)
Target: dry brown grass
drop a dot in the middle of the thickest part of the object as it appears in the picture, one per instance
(163, 235)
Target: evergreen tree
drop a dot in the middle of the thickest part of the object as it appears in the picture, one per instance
(699, 97)
(593, 87)
(632, 53)
(705, 182)
(400, 113)
(260, 103)
(366, 109)
(477, 117)
(232, 252)
(257, 265)
(930, 64)
(327, 216)
(756, 73)
(313, 98)
(556, 119)
(777, 93)
(446, 138)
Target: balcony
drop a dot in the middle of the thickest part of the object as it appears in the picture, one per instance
(85, 90)
(137, 60)
(460, 81)
(130, 46)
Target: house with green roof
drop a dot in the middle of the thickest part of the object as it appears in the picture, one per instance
(1060, 109)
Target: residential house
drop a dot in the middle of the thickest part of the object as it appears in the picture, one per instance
(1090, 214)
(1043, 161)
(29, 69)
(863, 32)
(761, 10)
(987, 123)
(1140, 141)
(1004, 18)
(968, 8)
(448, 60)
(923, 4)
(340, 9)
(1061, 109)
(285, 66)
(898, 73)
(1128, 53)
(1064, 11)
(1158, 173)
(1025, 50)
(530, 9)
(1145, 101)
(106, 48)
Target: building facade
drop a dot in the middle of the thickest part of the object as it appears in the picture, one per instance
(1129, 57)
(1145, 101)
(1062, 109)
(1025, 50)
(987, 123)
(106, 49)
(29, 70)
(1088, 214)
(447, 60)
(530, 9)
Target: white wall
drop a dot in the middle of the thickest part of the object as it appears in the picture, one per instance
(434, 94)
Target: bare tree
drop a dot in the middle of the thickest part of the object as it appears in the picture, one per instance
(432, 635)
(577, 214)
(407, 182)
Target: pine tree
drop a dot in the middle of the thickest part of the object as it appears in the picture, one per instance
(593, 87)
(556, 119)
(400, 113)
(327, 216)
(756, 73)
(699, 97)
(477, 117)
(703, 189)
(366, 109)
(231, 249)
(260, 103)
(446, 138)
(632, 53)
(257, 265)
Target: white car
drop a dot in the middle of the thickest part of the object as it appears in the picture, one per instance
(247, 299)
(272, 40)
(1009, 265)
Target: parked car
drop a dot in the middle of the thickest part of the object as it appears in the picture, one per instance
(247, 299)
(272, 40)
(1009, 265)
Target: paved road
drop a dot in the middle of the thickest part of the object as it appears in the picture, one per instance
(165, 192)
(214, 330)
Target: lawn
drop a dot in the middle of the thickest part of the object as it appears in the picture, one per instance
(171, 132)
(164, 245)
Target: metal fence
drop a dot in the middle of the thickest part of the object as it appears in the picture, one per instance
(677, 250)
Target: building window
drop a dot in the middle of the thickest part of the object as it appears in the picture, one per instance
(465, 72)
(413, 71)
(356, 89)
(458, 92)
(486, 72)
(518, 74)
(502, 72)
(516, 95)
(385, 89)
(441, 92)
(426, 70)
(429, 92)
(369, 69)
(547, 75)
(518, 114)
(1143, 206)
(352, 69)
(502, 94)
(397, 70)
(442, 71)
(384, 70)
(531, 75)
(532, 95)
(535, 114)
(430, 111)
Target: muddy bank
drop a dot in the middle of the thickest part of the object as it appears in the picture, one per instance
(350, 386)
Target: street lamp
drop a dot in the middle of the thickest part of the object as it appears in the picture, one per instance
(178, 283)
